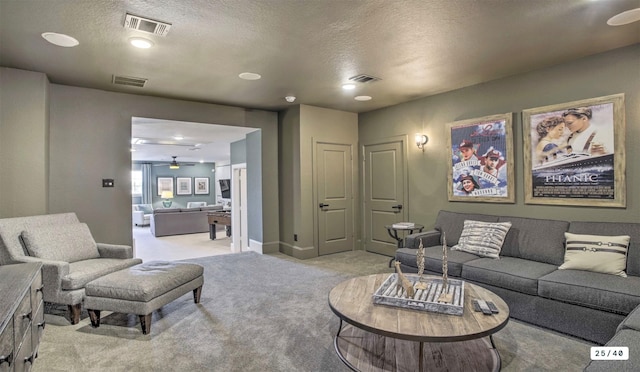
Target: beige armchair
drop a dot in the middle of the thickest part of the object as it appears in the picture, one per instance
(70, 256)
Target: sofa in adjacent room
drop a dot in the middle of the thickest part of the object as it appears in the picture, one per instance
(176, 221)
(141, 214)
(576, 301)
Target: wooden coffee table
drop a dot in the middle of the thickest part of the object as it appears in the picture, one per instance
(388, 338)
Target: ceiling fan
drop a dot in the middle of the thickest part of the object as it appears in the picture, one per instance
(174, 164)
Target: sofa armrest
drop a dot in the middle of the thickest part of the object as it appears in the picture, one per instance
(52, 274)
(429, 239)
(115, 251)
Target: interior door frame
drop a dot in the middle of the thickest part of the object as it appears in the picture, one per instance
(314, 157)
(239, 220)
(404, 140)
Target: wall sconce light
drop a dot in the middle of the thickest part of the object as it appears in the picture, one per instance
(421, 140)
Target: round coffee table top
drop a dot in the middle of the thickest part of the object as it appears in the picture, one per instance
(352, 301)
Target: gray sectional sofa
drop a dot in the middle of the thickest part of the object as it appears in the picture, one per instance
(585, 304)
(176, 221)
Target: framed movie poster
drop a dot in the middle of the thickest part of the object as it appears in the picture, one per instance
(480, 153)
(574, 153)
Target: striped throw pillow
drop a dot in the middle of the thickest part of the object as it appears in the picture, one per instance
(597, 253)
(482, 238)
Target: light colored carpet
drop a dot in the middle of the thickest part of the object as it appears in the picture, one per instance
(260, 313)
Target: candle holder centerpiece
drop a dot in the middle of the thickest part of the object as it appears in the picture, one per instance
(420, 261)
(445, 296)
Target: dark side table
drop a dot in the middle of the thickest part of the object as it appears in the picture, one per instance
(393, 232)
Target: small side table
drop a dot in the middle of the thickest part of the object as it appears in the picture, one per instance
(393, 232)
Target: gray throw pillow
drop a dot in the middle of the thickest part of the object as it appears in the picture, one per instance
(67, 243)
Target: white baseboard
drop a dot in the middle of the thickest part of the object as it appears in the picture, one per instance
(260, 247)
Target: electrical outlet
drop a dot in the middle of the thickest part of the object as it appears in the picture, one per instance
(295, 237)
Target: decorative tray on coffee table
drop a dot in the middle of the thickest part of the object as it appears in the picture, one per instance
(427, 299)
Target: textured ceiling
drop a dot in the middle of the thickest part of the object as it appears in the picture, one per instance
(304, 48)
(307, 48)
(154, 140)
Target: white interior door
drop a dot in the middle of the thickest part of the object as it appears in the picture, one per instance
(239, 233)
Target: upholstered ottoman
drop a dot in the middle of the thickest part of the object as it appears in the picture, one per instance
(141, 289)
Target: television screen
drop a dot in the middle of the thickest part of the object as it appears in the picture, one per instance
(225, 188)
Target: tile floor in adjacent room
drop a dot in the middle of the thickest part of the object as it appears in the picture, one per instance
(178, 247)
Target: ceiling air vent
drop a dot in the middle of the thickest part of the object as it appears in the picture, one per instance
(151, 26)
(362, 78)
(130, 81)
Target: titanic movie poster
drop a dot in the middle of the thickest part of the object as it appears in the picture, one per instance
(572, 155)
(481, 160)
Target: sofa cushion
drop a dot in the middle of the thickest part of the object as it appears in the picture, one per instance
(626, 337)
(535, 239)
(11, 229)
(145, 208)
(166, 210)
(193, 209)
(599, 291)
(482, 238)
(212, 208)
(433, 259)
(82, 272)
(452, 223)
(509, 273)
(597, 253)
(615, 228)
(67, 243)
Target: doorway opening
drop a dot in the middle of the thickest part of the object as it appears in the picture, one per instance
(178, 166)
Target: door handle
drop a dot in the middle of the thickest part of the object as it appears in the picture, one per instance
(398, 207)
(322, 205)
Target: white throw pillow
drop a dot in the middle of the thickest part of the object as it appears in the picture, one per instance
(597, 253)
(67, 243)
(482, 238)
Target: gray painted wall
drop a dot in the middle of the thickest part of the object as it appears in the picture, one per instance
(600, 75)
(238, 151)
(24, 143)
(90, 134)
(254, 185)
(313, 125)
(199, 170)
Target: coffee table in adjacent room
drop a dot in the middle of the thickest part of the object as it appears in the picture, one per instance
(389, 338)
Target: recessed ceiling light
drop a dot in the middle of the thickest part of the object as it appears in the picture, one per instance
(60, 39)
(290, 99)
(362, 98)
(140, 42)
(348, 86)
(624, 18)
(249, 76)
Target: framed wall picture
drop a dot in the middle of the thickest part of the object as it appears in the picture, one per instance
(164, 184)
(201, 185)
(480, 153)
(183, 186)
(574, 153)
